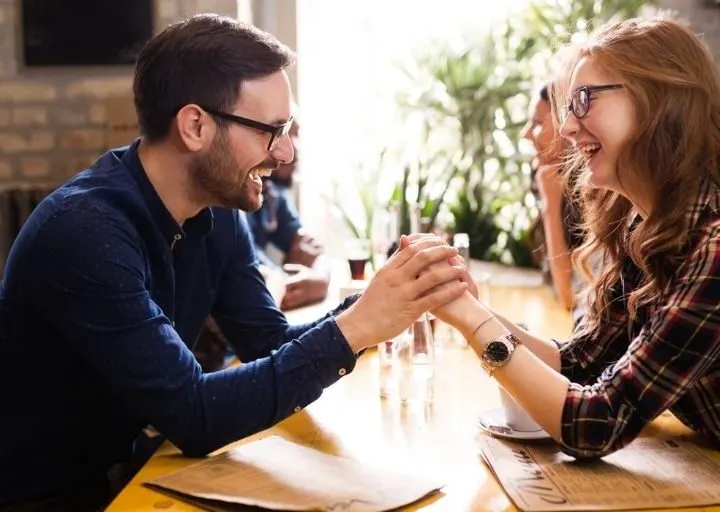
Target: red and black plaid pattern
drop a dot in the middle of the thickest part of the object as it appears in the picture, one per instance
(628, 372)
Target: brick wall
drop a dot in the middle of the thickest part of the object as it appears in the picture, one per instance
(703, 19)
(52, 121)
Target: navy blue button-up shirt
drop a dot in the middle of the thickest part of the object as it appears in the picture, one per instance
(103, 296)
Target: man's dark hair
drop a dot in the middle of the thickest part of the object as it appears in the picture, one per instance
(203, 60)
(544, 95)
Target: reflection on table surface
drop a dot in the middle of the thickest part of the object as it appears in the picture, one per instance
(351, 420)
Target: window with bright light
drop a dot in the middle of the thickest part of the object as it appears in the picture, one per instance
(348, 78)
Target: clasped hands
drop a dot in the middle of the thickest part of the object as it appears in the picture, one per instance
(425, 274)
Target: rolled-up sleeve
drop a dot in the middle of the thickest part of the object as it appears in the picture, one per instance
(584, 356)
(674, 349)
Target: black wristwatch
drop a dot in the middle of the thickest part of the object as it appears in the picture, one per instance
(498, 352)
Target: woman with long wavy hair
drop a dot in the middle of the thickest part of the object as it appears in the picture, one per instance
(640, 105)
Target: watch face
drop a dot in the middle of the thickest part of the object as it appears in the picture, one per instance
(497, 352)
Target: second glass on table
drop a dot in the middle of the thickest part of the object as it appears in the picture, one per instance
(414, 363)
(357, 252)
(482, 281)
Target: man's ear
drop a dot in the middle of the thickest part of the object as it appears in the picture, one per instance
(196, 129)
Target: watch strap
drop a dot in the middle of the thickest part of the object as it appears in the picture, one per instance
(510, 341)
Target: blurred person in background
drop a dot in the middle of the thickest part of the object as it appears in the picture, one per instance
(287, 252)
(558, 229)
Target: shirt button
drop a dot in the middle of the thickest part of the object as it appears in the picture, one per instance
(342, 372)
(297, 409)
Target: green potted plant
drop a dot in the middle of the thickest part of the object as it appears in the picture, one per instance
(478, 96)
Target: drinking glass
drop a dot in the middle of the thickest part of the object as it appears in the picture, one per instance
(482, 281)
(414, 363)
(357, 252)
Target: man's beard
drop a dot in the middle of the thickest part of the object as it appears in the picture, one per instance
(215, 178)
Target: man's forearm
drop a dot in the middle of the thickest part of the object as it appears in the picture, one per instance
(228, 405)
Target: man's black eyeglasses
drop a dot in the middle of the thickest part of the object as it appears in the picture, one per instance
(580, 101)
(276, 131)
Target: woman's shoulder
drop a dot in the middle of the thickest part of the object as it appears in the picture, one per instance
(702, 260)
(704, 213)
(706, 237)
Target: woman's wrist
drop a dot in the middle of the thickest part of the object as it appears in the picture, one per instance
(475, 315)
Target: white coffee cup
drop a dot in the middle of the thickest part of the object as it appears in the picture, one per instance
(515, 416)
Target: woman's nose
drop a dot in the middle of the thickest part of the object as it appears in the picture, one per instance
(525, 133)
(569, 126)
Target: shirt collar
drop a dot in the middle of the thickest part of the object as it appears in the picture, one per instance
(195, 227)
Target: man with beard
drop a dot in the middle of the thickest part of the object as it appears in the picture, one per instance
(110, 279)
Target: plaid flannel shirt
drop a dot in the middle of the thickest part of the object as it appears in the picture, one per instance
(626, 373)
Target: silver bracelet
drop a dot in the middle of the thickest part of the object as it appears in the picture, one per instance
(491, 317)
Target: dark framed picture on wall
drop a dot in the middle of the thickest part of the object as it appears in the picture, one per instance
(84, 32)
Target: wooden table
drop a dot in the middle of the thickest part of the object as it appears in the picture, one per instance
(351, 420)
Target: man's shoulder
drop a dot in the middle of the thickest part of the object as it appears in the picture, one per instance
(96, 205)
(94, 211)
(105, 188)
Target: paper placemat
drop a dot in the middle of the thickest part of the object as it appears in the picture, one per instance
(274, 473)
(648, 473)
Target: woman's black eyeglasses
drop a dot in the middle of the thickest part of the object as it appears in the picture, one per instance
(276, 131)
(580, 101)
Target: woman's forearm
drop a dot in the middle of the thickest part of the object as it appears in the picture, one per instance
(545, 350)
(534, 383)
(558, 255)
(535, 386)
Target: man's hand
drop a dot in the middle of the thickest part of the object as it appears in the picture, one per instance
(453, 312)
(304, 287)
(407, 286)
(455, 261)
(304, 250)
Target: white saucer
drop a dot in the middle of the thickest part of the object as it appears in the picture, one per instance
(493, 422)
